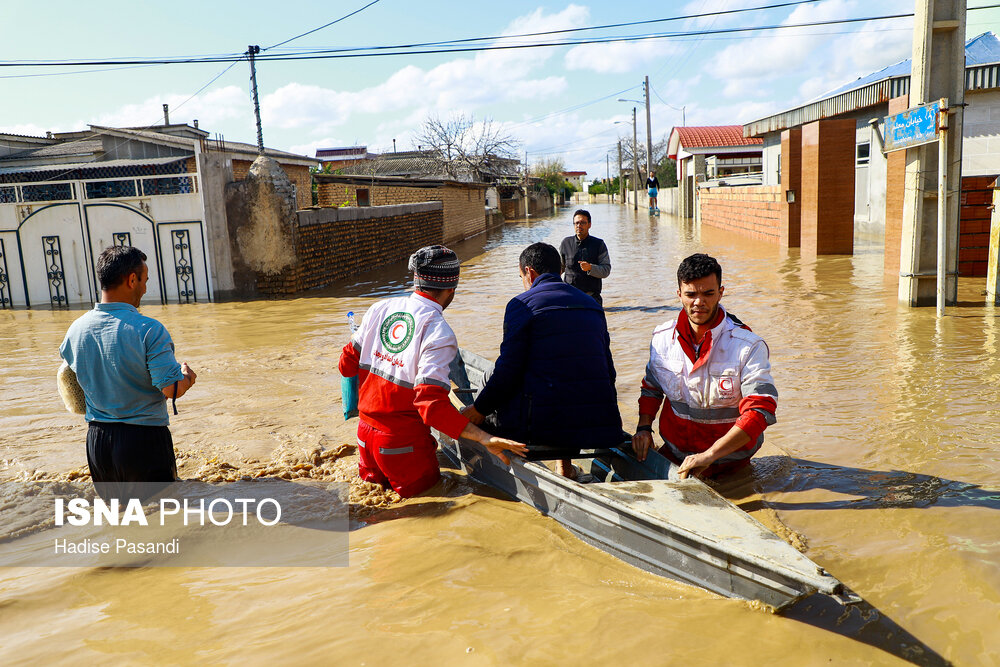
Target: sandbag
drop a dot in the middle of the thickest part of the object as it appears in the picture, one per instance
(70, 390)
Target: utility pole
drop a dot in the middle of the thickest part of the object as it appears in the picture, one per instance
(621, 177)
(649, 131)
(607, 175)
(253, 50)
(635, 165)
(938, 71)
(526, 207)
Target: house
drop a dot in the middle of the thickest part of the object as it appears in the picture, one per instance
(575, 178)
(333, 159)
(67, 196)
(864, 193)
(710, 152)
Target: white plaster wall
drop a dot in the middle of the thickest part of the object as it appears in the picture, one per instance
(769, 158)
(981, 130)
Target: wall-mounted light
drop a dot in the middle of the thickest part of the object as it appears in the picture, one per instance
(790, 196)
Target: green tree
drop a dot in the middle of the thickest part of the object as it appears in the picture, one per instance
(550, 171)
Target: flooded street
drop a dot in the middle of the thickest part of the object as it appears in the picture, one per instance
(884, 465)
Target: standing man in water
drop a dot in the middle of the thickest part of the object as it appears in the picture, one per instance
(554, 382)
(585, 258)
(125, 365)
(401, 353)
(716, 377)
(653, 189)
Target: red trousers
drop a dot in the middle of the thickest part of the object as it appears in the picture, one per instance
(407, 463)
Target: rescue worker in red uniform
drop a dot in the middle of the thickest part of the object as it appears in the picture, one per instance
(401, 354)
(715, 376)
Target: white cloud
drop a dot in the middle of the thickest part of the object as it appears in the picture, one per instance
(460, 85)
(617, 57)
(211, 109)
(26, 129)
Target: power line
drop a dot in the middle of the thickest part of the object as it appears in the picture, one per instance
(327, 25)
(606, 26)
(326, 54)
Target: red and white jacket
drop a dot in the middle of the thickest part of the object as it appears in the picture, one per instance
(401, 353)
(725, 381)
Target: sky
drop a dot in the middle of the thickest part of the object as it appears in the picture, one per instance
(557, 102)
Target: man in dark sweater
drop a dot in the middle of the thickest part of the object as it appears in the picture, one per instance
(554, 382)
(585, 258)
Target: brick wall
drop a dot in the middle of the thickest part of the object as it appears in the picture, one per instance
(895, 176)
(464, 205)
(827, 204)
(332, 244)
(753, 211)
(974, 225)
(298, 174)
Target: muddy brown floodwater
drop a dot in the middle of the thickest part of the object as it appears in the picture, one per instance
(884, 468)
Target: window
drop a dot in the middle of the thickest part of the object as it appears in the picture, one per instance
(863, 154)
(363, 198)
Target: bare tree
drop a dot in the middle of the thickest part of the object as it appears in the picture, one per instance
(461, 147)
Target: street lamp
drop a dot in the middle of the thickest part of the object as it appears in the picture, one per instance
(681, 109)
(635, 160)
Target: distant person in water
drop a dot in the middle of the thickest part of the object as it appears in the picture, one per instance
(712, 377)
(125, 365)
(585, 258)
(554, 382)
(653, 189)
(401, 353)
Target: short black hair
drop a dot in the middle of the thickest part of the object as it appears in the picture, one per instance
(541, 257)
(116, 263)
(698, 266)
(584, 212)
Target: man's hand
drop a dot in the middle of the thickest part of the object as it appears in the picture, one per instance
(642, 442)
(694, 464)
(584, 265)
(473, 415)
(499, 447)
(180, 387)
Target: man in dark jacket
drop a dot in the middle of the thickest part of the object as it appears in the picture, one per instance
(585, 258)
(554, 382)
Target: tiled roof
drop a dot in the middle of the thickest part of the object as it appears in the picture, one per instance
(709, 136)
(715, 135)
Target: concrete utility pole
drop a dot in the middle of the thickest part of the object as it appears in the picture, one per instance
(607, 176)
(253, 50)
(635, 165)
(938, 72)
(649, 131)
(526, 200)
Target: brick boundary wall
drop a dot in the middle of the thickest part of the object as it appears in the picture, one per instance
(333, 244)
(974, 225)
(753, 211)
(464, 205)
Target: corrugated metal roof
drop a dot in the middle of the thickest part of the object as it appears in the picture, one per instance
(982, 71)
(85, 147)
(107, 164)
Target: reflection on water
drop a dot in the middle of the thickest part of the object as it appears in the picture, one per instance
(881, 408)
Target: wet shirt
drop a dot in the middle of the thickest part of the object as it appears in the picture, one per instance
(122, 360)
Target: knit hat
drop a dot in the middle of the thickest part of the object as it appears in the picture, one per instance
(434, 267)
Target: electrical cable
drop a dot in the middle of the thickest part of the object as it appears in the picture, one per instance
(327, 25)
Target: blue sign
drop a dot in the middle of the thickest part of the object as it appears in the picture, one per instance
(913, 127)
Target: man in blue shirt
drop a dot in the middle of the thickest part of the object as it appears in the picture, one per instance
(125, 364)
(553, 385)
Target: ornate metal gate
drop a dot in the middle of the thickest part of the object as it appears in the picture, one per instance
(54, 270)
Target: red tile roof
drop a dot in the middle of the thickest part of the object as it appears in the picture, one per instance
(710, 136)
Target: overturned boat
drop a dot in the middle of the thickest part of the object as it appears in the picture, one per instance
(646, 516)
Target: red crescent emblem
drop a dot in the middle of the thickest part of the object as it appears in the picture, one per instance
(394, 334)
